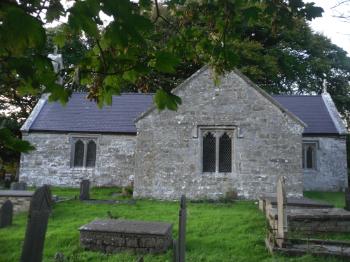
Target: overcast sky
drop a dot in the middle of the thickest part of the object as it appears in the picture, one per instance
(334, 28)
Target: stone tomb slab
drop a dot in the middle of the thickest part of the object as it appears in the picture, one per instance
(116, 235)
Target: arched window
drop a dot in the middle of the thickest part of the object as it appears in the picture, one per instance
(225, 153)
(309, 155)
(209, 152)
(91, 154)
(79, 154)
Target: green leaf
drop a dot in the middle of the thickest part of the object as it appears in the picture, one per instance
(54, 11)
(166, 62)
(130, 76)
(20, 31)
(9, 141)
(164, 99)
(59, 39)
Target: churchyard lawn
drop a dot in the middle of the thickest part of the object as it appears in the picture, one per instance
(215, 231)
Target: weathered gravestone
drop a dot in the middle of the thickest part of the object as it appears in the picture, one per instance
(180, 245)
(18, 186)
(347, 199)
(7, 180)
(6, 213)
(84, 190)
(282, 227)
(39, 211)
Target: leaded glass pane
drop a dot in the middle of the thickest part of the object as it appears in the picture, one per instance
(225, 153)
(310, 157)
(209, 148)
(79, 154)
(91, 154)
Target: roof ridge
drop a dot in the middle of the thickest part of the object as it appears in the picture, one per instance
(123, 93)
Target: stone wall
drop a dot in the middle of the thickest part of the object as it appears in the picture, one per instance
(267, 143)
(20, 202)
(50, 162)
(331, 165)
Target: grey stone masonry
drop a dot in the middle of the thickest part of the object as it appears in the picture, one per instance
(126, 235)
(50, 162)
(330, 172)
(20, 199)
(266, 142)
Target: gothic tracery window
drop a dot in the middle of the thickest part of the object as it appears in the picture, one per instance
(83, 152)
(79, 153)
(209, 154)
(225, 153)
(309, 155)
(217, 151)
(91, 154)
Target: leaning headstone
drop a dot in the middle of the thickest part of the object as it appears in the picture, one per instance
(6, 213)
(18, 186)
(180, 246)
(347, 199)
(39, 211)
(84, 190)
(282, 227)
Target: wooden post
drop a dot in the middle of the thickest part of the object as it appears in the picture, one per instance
(39, 211)
(282, 227)
(84, 189)
(181, 246)
(6, 213)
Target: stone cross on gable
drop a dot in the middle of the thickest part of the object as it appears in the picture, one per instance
(57, 63)
(282, 226)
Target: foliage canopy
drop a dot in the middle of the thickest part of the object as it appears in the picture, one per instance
(150, 46)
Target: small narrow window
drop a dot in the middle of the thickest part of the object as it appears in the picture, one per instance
(225, 153)
(91, 154)
(209, 152)
(309, 155)
(79, 154)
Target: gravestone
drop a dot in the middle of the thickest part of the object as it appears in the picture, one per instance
(282, 227)
(347, 199)
(18, 186)
(7, 180)
(180, 245)
(6, 213)
(39, 211)
(84, 190)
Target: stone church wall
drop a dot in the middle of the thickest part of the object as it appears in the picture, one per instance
(267, 143)
(330, 173)
(50, 162)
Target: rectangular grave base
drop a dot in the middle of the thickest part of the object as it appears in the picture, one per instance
(313, 247)
(112, 236)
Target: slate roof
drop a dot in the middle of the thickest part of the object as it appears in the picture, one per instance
(311, 110)
(81, 115)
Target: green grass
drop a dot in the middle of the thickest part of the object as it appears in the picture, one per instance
(335, 198)
(215, 232)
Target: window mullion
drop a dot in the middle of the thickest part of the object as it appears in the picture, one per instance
(85, 153)
(217, 152)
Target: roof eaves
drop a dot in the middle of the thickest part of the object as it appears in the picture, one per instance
(334, 114)
(34, 114)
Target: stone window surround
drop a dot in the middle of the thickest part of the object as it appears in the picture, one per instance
(316, 146)
(85, 138)
(217, 130)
